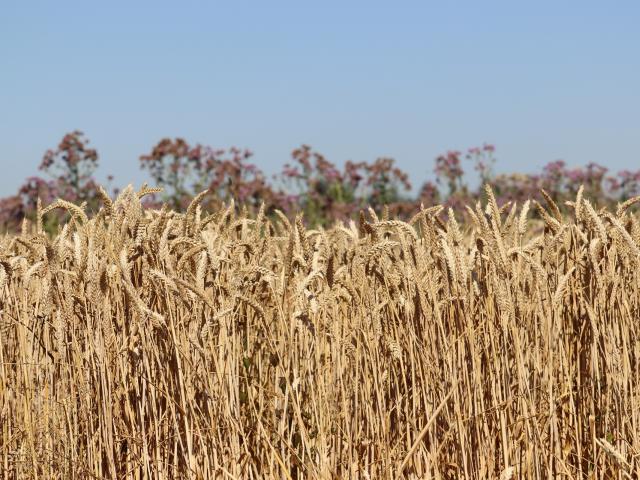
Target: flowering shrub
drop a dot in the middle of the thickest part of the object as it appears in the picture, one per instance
(182, 170)
(69, 170)
(236, 178)
(386, 183)
(12, 211)
(309, 183)
(179, 168)
(429, 194)
(483, 161)
(71, 167)
(449, 169)
(326, 193)
(314, 185)
(559, 181)
(626, 184)
(516, 187)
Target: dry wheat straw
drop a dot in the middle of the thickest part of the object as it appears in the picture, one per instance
(153, 344)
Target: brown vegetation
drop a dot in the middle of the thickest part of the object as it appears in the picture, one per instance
(153, 344)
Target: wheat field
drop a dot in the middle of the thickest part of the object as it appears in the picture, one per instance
(155, 344)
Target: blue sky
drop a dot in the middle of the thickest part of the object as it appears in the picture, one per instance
(541, 80)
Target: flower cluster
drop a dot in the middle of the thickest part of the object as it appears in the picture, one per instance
(626, 184)
(449, 168)
(310, 183)
(68, 171)
(326, 193)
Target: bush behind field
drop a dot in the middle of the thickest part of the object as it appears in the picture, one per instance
(310, 183)
(146, 343)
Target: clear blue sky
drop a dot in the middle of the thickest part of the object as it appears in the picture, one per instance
(541, 80)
